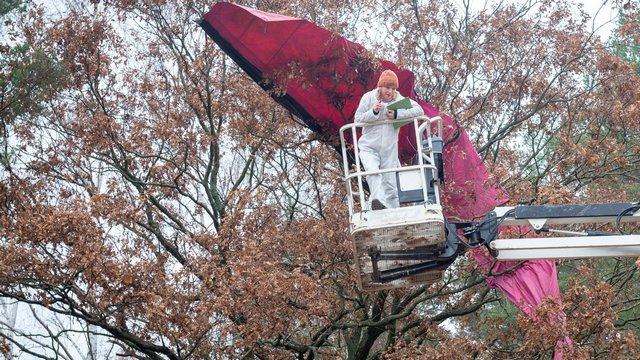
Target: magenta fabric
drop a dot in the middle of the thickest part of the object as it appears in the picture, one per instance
(526, 286)
(327, 76)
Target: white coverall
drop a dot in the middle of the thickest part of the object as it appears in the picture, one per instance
(378, 146)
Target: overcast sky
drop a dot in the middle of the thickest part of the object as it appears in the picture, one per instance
(603, 15)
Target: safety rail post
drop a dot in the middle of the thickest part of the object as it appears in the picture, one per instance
(356, 154)
(345, 165)
(420, 130)
(345, 169)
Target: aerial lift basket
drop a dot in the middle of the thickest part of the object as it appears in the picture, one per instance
(392, 246)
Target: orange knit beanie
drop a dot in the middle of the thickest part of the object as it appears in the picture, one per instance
(388, 78)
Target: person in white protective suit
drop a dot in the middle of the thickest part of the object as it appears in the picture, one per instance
(379, 143)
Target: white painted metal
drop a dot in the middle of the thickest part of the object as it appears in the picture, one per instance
(566, 247)
(410, 180)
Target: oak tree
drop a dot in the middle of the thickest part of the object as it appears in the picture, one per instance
(163, 201)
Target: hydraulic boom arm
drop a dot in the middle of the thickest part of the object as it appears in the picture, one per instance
(575, 245)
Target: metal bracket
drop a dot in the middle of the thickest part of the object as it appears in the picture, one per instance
(537, 224)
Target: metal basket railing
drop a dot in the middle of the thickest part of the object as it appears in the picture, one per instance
(425, 157)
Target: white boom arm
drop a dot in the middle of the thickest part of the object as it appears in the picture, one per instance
(581, 245)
